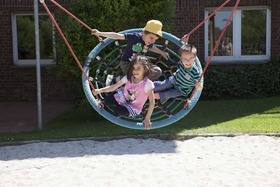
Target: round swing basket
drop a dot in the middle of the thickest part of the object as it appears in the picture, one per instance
(99, 67)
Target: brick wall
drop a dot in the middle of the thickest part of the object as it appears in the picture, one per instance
(275, 28)
(20, 83)
(187, 16)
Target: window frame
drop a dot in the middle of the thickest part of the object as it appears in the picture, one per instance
(28, 62)
(237, 58)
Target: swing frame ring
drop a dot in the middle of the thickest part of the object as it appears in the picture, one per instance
(122, 122)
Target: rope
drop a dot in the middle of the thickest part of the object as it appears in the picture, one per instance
(215, 47)
(78, 20)
(172, 110)
(67, 44)
(98, 103)
(201, 23)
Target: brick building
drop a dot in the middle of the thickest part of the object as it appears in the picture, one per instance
(18, 75)
(253, 32)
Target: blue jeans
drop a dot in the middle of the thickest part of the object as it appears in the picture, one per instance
(167, 89)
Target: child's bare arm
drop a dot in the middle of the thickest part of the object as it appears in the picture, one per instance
(108, 88)
(162, 53)
(147, 121)
(113, 35)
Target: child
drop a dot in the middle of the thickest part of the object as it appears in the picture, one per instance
(130, 99)
(139, 43)
(183, 80)
(227, 47)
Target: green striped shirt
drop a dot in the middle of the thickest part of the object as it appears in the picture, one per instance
(186, 78)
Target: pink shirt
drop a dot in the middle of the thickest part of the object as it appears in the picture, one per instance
(134, 96)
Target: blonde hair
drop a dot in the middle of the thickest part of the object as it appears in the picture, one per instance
(188, 49)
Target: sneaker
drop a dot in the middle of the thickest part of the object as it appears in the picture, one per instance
(109, 80)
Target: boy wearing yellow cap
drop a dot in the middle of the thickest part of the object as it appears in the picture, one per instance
(139, 43)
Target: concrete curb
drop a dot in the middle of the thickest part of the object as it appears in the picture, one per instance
(180, 137)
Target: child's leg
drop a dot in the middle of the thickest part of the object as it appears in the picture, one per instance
(119, 110)
(164, 85)
(171, 93)
(166, 89)
(109, 79)
(110, 99)
(155, 72)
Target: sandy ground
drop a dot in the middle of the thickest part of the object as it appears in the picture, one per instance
(241, 161)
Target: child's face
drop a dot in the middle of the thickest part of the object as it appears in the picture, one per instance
(138, 71)
(149, 38)
(187, 59)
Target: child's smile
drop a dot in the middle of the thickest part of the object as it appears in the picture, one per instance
(138, 72)
(187, 59)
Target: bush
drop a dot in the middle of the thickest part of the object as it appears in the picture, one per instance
(105, 15)
(242, 81)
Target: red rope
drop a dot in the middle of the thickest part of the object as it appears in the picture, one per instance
(77, 19)
(101, 40)
(201, 23)
(68, 45)
(215, 48)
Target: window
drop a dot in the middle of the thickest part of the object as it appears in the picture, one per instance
(24, 48)
(246, 39)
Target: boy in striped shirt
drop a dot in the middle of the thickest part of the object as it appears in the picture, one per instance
(183, 80)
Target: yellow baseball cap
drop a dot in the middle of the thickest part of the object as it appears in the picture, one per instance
(154, 26)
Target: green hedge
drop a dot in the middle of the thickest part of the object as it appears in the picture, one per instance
(242, 81)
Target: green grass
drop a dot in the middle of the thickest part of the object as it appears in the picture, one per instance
(223, 116)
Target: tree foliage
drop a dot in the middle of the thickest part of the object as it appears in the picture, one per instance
(104, 15)
(253, 32)
(242, 81)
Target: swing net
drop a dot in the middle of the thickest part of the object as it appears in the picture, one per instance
(104, 60)
(164, 113)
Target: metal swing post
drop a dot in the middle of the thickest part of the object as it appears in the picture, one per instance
(67, 44)
(38, 66)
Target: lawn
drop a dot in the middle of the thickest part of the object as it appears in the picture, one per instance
(207, 117)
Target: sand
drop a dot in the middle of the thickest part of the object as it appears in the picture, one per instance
(241, 161)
